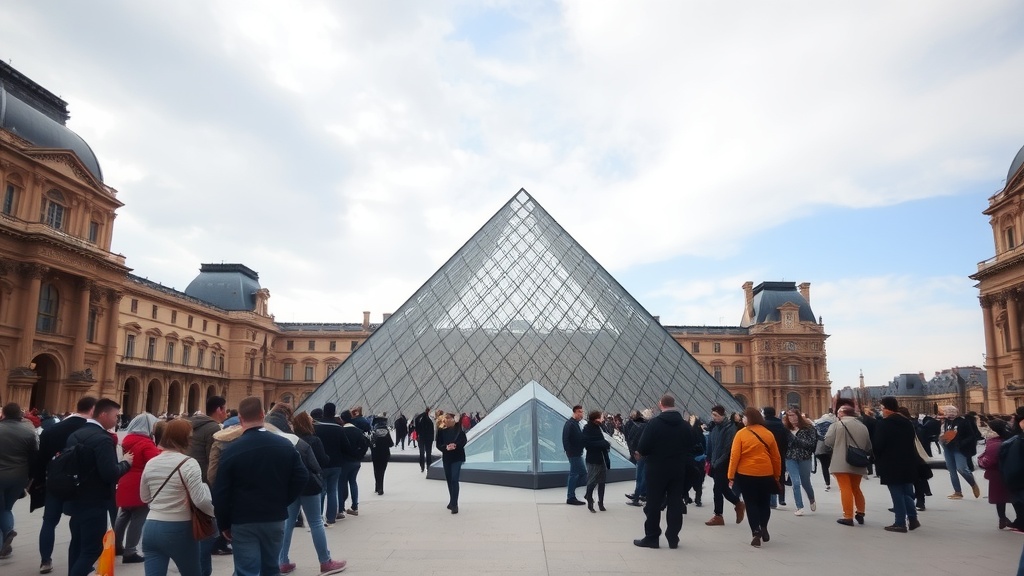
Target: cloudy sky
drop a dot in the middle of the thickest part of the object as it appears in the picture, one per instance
(346, 150)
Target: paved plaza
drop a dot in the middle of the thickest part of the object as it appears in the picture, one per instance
(511, 531)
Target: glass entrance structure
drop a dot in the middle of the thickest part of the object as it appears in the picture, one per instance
(520, 444)
(520, 302)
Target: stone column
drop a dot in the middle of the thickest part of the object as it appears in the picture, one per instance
(1013, 325)
(995, 381)
(113, 315)
(82, 325)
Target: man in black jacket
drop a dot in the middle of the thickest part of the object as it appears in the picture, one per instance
(667, 444)
(896, 459)
(401, 429)
(424, 427)
(572, 443)
(329, 431)
(100, 473)
(204, 426)
(53, 440)
(258, 476)
(351, 462)
(778, 429)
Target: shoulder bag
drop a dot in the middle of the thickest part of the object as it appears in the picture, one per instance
(202, 523)
(855, 455)
(157, 493)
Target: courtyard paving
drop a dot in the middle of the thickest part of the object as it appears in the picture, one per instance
(510, 531)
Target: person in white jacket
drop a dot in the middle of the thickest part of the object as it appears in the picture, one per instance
(167, 534)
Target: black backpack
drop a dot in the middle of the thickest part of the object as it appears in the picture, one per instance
(66, 472)
(1011, 464)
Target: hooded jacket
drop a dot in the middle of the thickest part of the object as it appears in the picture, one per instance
(138, 441)
(203, 429)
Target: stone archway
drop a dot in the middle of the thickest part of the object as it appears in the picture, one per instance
(742, 399)
(211, 391)
(46, 391)
(154, 393)
(193, 403)
(131, 398)
(174, 394)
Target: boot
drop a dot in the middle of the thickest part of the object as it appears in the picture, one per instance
(600, 498)
(716, 520)
(741, 509)
(590, 499)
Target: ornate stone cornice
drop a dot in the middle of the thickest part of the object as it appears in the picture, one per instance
(33, 271)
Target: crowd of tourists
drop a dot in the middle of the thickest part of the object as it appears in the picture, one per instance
(755, 457)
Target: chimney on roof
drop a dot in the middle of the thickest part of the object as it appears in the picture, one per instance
(748, 300)
(386, 316)
(366, 320)
(805, 291)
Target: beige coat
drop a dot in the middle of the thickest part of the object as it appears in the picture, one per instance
(837, 439)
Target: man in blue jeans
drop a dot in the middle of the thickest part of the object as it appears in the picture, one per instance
(251, 514)
(336, 445)
(572, 443)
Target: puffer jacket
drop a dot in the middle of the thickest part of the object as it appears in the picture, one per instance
(144, 450)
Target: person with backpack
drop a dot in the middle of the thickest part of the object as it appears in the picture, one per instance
(17, 454)
(98, 473)
(380, 451)
(51, 441)
(998, 492)
(822, 452)
(423, 425)
(351, 462)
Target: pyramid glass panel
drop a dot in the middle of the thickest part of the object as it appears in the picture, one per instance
(520, 301)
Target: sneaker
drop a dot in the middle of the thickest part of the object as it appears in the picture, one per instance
(799, 512)
(46, 567)
(332, 567)
(814, 506)
(976, 490)
(630, 503)
(827, 488)
(896, 528)
(352, 511)
(955, 496)
(286, 568)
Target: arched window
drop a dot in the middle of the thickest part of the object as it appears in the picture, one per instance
(49, 300)
(793, 400)
(54, 210)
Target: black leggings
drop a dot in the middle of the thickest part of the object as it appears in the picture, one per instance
(826, 461)
(757, 493)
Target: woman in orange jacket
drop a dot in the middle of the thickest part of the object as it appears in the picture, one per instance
(755, 466)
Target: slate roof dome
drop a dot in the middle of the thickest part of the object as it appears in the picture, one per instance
(1018, 161)
(769, 296)
(227, 286)
(37, 115)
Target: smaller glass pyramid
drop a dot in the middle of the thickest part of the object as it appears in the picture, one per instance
(520, 444)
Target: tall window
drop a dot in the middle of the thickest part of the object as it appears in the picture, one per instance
(186, 354)
(204, 325)
(220, 363)
(289, 345)
(718, 373)
(170, 352)
(90, 330)
(154, 311)
(190, 319)
(334, 345)
(174, 316)
(309, 373)
(695, 347)
(1011, 239)
(9, 195)
(739, 374)
(94, 231)
(792, 372)
(199, 357)
(312, 345)
(54, 210)
(129, 346)
(718, 347)
(288, 371)
(49, 301)
(739, 348)
(355, 344)
(135, 305)
(151, 349)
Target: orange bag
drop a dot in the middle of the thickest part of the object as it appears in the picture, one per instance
(105, 565)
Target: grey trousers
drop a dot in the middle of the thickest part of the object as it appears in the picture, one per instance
(128, 527)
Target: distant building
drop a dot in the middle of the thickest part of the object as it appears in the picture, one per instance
(775, 357)
(965, 387)
(1001, 287)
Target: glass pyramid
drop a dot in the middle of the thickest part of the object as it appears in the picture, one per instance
(520, 444)
(521, 301)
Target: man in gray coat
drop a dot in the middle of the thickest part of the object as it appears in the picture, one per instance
(17, 452)
(720, 440)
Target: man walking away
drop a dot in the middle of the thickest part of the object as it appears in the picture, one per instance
(204, 426)
(778, 429)
(100, 472)
(258, 476)
(572, 443)
(17, 454)
(424, 427)
(667, 444)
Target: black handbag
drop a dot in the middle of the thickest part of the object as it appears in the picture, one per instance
(855, 455)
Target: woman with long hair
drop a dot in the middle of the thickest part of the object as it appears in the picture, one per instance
(755, 466)
(132, 511)
(451, 441)
(166, 481)
(597, 458)
(799, 456)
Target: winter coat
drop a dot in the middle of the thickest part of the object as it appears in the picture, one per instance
(896, 457)
(17, 453)
(454, 435)
(778, 429)
(144, 449)
(597, 445)
(667, 444)
(203, 429)
(802, 444)
(720, 437)
(967, 435)
(572, 438)
(755, 453)
(998, 493)
(837, 439)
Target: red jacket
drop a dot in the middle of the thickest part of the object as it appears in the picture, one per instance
(128, 486)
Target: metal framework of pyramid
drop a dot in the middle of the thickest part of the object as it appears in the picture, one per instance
(519, 444)
(521, 301)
